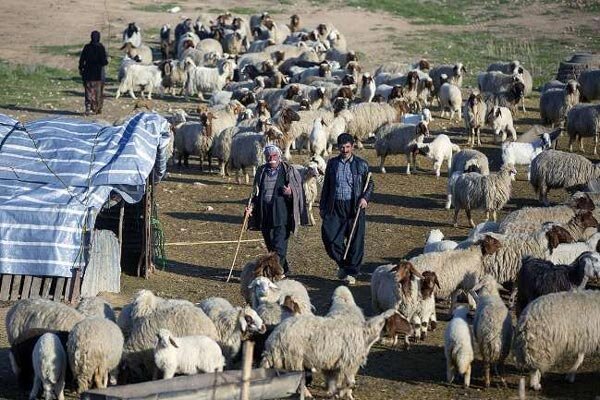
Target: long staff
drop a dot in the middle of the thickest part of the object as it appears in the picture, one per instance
(244, 226)
(356, 218)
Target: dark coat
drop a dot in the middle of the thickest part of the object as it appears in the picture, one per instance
(296, 205)
(360, 170)
(91, 61)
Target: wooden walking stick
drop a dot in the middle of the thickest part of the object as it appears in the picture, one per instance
(244, 226)
(356, 218)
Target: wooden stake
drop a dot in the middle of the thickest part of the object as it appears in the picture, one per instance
(246, 369)
(244, 226)
(356, 218)
(211, 242)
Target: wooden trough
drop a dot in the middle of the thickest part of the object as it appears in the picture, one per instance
(227, 385)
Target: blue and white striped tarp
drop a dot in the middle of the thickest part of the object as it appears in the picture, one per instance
(55, 175)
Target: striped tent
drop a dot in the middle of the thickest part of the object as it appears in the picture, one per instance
(55, 175)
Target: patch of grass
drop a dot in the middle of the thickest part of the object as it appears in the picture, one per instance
(65, 50)
(154, 7)
(242, 11)
(34, 85)
(423, 12)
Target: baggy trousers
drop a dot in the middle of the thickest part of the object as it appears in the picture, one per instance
(276, 239)
(335, 231)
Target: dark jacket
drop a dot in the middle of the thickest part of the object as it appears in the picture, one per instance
(91, 61)
(295, 212)
(360, 170)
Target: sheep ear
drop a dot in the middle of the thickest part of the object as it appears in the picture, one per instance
(291, 305)
(413, 270)
(498, 112)
(242, 320)
(172, 341)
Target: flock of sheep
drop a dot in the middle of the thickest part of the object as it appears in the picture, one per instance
(283, 84)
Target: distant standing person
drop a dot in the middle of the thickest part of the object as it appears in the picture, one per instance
(279, 207)
(342, 195)
(91, 63)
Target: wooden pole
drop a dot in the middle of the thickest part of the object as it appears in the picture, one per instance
(246, 369)
(356, 218)
(244, 226)
(212, 242)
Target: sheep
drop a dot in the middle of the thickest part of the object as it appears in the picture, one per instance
(566, 253)
(312, 176)
(504, 264)
(265, 291)
(501, 121)
(450, 99)
(576, 227)
(590, 84)
(273, 96)
(516, 153)
(27, 317)
(474, 113)
(273, 314)
(395, 138)
(458, 346)
(496, 81)
(539, 277)
(180, 319)
(457, 270)
(556, 103)
(206, 80)
(436, 243)
(438, 150)
(319, 138)
(298, 125)
(267, 265)
(94, 349)
(187, 355)
(49, 365)
(465, 161)
(96, 307)
(507, 98)
(396, 67)
(146, 77)
(142, 53)
(195, 138)
(553, 169)
(551, 328)
(247, 150)
(133, 35)
(396, 325)
(368, 117)
(583, 120)
(394, 286)
(344, 307)
(454, 73)
(426, 310)
(492, 325)
(167, 47)
(335, 346)
(367, 90)
(514, 67)
(174, 75)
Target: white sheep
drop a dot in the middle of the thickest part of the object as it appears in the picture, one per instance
(517, 153)
(142, 53)
(438, 150)
(552, 328)
(435, 242)
(492, 325)
(496, 81)
(94, 347)
(474, 114)
(566, 253)
(319, 138)
(368, 88)
(455, 74)
(132, 34)
(187, 355)
(312, 174)
(206, 80)
(425, 319)
(501, 121)
(514, 67)
(397, 138)
(49, 365)
(467, 160)
(368, 117)
(450, 99)
(195, 138)
(140, 77)
(247, 151)
(96, 307)
(265, 291)
(458, 346)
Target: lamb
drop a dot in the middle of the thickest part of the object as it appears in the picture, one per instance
(501, 121)
(265, 291)
(186, 355)
(335, 346)
(450, 98)
(206, 80)
(516, 153)
(454, 73)
(553, 169)
(267, 265)
(457, 270)
(568, 252)
(540, 277)
(368, 117)
(436, 243)
(234, 325)
(180, 319)
(583, 120)
(551, 327)
(195, 138)
(465, 161)
(492, 326)
(49, 365)
(94, 348)
(504, 264)
(556, 103)
(368, 88)
(458, 346)
(396, 138)
(590, 84)
(396, 325)
(146, 77)
(474, 113)
(438, 150)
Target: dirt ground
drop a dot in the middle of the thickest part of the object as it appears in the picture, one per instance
(402, 212)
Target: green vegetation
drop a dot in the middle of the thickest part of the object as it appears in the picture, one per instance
(420, 12)
(65, 50)
(242, 11)
(154, 7)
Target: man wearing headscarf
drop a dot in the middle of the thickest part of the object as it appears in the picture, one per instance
(91, 63)
(343, 195)
(278, 205)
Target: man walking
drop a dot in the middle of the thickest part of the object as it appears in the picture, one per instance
(91, 63)
(344, 195)
(279, 207)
